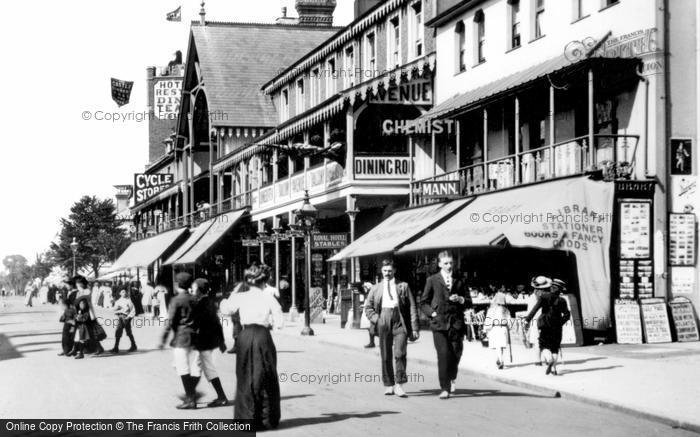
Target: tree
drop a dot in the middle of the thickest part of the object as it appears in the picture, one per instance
(94, 225)
(18, 272)
(42, 266)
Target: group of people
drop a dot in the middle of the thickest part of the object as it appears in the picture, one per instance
(392, 310)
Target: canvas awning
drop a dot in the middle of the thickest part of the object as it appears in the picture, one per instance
(145, 252)
(572, 214)
(194, 237)
(219, 226)
(399, 228)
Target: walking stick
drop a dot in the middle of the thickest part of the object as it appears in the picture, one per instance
(510, 345)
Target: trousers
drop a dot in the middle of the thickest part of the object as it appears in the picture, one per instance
(392, 346)
(449, 346)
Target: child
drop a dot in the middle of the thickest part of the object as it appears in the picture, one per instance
(82, 329)
(68, 320)
(124, 309)
(496, 325)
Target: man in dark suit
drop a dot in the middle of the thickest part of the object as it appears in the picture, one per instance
(444, 300)
(391, 305)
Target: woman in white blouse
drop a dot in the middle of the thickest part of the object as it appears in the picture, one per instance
(257, 386)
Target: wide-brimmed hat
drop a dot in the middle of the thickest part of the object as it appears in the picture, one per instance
(559, 283)
(499, 299)
(540, 282)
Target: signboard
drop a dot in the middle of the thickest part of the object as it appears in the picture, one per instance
(148, 185)
(382, 167)
(415, 92)
(628, 323)
(329, 241)
(684, 320)
(166, 98)
(681, 239)
(635, 229)
(121, 91)
(441, 189)
(626, 286)
(682, 280)
(316, 304)
(418, 126)
(684, 189)
(656, 325)
(250, 243)
(681, 159)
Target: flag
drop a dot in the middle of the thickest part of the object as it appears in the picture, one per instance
(174, 15)
(121, 91)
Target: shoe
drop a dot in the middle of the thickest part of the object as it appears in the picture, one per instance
(62, 354)
(539, 363)
(554, 370)
(188, 404)
(114, 351)
(79, 356)
(500, 365)
(549, 368)
(218, 403)
(232, 350)
(398, 391)
(444, 394)
(133, 348)
(389, 391)
(453, 386)
(369, 346)
(72, 352)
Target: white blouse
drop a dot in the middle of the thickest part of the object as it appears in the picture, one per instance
(255, 307)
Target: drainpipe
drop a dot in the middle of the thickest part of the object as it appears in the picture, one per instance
(646, 118)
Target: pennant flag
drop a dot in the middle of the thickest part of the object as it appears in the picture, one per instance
(174, 15)
(121, 91)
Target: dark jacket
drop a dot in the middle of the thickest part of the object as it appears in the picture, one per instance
(435, 298)
(208, 333)
(407, 306)
(555, 311)
(180, 320)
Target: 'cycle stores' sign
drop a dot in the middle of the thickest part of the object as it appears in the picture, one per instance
(148, 185)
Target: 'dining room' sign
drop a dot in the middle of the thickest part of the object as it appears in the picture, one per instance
(382, 167)
(148, 185)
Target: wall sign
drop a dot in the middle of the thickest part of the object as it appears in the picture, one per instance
(250, 243)
(628, 323)
(415, 92)
(681, 239)
(684, 320)
(166, 99)
(681, 159)
(329, 241)
(656, 325)
(382, 167)
(441, 189)
(149, 185)
(635, 229)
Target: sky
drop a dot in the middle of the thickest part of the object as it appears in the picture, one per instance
(59, 57)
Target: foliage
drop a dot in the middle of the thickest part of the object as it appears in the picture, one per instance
(18, 272)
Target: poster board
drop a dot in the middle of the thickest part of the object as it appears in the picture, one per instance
(635, 229)
(316, 304)
(681, 239)
(684, 321)
(657, 328)
(628, 322)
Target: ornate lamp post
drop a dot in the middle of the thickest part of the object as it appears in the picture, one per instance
(305, 219)
(74, 249)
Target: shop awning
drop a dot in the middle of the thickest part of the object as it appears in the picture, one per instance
(220, 225)
(144, 252)
(194, 237)
(572, 214)
(399, 228)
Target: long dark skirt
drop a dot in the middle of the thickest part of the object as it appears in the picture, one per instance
(550, 338)
(258, 390)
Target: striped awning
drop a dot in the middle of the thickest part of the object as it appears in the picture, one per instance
(143, 253)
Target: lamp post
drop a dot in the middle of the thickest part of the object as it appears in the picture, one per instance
(305, 218)
(74, 249)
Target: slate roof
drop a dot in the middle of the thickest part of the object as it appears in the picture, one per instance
(236, 59)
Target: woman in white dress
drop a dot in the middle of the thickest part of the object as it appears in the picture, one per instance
(496, 324)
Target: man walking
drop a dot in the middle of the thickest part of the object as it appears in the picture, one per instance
(444, 300)
(392, 307)
(124, 309)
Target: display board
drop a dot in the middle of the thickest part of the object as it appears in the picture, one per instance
(635, 229)
(684, 321)
(628, 322)
(657, 328)
(316, 304)
(681, 239)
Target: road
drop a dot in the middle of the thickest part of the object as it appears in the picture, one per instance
(326, 390)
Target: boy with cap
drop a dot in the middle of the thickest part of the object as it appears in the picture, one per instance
(125, 310)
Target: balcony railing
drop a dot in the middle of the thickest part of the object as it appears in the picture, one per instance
(613, 154)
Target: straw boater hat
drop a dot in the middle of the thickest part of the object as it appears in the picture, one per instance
(540, 282)
(499, 299)
(559, 283)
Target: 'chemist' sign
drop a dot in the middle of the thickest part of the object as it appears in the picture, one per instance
(148, 185)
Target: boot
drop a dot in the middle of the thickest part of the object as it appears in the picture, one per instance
(194, 380)
(115, 349)
(100, 349)
(188, 403)
(133, 344)
(73, 351)
(80, 352)
(221, 399)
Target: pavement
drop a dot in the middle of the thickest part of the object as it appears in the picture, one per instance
(659, 382)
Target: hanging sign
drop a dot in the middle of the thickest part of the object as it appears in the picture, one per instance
(149, 185)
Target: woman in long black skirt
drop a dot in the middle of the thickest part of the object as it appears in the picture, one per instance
(257, 388)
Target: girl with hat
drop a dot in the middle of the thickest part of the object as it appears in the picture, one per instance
(496, 324)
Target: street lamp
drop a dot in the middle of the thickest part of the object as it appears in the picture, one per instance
(74, 249)
(305, 219)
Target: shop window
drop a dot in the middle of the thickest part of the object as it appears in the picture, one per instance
(394, 43)
(460, 48)
(371, 53)
(514, 13)
(417, 29)
(480, 36)
(331, 75)
(300, 97)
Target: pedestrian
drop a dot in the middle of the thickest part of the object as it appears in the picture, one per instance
(532, 334)
(135, 295)
(555, 313)
(285, 295)
(372, 329)
(235, 318)
(269, 289)
(163, 298)
(106, 291)
(444, 300)
(97, 334)
(68, 334)
(95, 294)
(181, 323)
(125, 311)
(392, 307)
(82, 328)
(147, 298)
(257, 386)
(496, 325)
(28, 295)
(209, 336)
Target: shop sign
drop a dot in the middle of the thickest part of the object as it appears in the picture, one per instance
(656, 325)
(416, 92)
(681, 239)
(635, 188)
(382, 167)
(149, 185)
(250, 243)
(628, 323)
(684, 320)
(441, 189)
(329, 241)
(418, 126)
(166, 99)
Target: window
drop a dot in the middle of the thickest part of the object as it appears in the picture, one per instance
(582, 8)
(284, 109)
(417, 29)
(349, 67)
(300, 97)
(514, 24)
(371, 53)
(461, 48)
(331, 75)
(314, 87)
(607, 3)
(539, 18)
(480, 23)
(394, 45)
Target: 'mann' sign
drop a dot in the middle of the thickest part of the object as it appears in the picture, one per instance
(441, 189)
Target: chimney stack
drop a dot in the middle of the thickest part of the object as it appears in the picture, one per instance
(315, 12)
(284, 19)
(202, 15)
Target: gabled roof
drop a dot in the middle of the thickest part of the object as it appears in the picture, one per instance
(236, 59)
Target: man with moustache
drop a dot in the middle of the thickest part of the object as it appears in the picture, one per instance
(444, 300)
